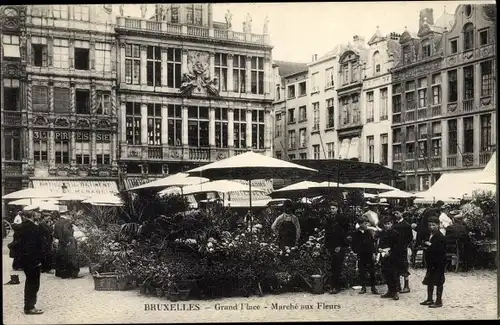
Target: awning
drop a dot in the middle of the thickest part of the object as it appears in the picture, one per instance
(489, 174)
(11, 51)
(82, 187)
(354, 149)
(131, 181)
(344, 149)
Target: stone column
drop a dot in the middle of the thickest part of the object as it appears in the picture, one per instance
(230, 73)
(92, 55)
(73, 144)
(93, 146)
(123, 122)
(185, 141)
(211, 127)
(144, 57)
(249, 128)
(122, 62)
(72, 97)
(93, 97)
(113, 58)
(114, 148)
(144, 124)
(477, 85)
(460, 87)
(248, 79)
(460, 140)
(71, 53)
(493, 129)
(31, 153)
(164, 79)
(477, 139)
(212, 65)
(28, 56)
(184, 66)
(444, 143)
(268, 74)
(51, 96)
(267, 128)
(444, 92)
(50, 51)
(230, 127)
(164, 125)
(51, 146)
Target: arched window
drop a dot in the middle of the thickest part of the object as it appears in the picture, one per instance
(468, 36)
(376, 63)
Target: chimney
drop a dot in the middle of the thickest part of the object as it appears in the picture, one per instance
(426, 13)
(315, 57)
(394, 36)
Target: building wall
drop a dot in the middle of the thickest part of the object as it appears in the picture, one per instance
(279, 127)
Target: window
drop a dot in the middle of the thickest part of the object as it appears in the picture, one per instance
(422, 150)
(278, 92)
(396, 152)
(422, 98)
(422, 131)
(410, 101)
(240, 128)
(410, 85)
(410, 134)
(468, 135)
(483, 37)
(103, 105)
(190, 14)
(384, 149)
(469, 82)
(302, 113)
(377, 68)
(133, 122)
(174, 63)
(396, 104)
(426, 49)
(376, 62)
(154, 124)
(81, 12)
(258, 129)
(103, 148)
(303, 155)
(422, 83)
(62, 147)
(396, 135)
(345, 74)
(278, 155)
(60, 11)
(81, 58)
(174, 14)
(82, 101)
(452, 85)
(40, 99)
(39, 55)
(11, 46)
(198, 126)
(291, 91)
(291, 115)
(102, 57)
(330, 146)
(452, 137)
(302, 138)
(468, 36)
(345, 114)
(316, 151)
(194, 14)
(221, 70)
(291, 157)
(174, 125)
(436, 89)
(40, 150)
(330, 78)
(410, 150)
(60, 53)
(239, 74)
(314, 84)
(12, 144)
(62, 100)
(486, 133)
(132, 64)
(369, 107)
(257, 75)
(82, 148)
(436, 129)
(486, 78)
(221, 129)
(383, 104)
(153, 66)
(354, 72)
(291, 139)
(278, 125)
(407, 59)
(11, 93)
(316, 116)
(371, 149)
(453, 46)
(330, 118)
(302, 89)
(436, 147)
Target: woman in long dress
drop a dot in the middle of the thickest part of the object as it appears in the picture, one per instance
(66, 257)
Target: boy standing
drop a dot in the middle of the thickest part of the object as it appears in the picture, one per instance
(406, 236)
(363, 244)
(435, 258)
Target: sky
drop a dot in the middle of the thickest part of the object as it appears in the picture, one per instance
(298, 30)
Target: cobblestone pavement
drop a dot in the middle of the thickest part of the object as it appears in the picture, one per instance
(466, 296)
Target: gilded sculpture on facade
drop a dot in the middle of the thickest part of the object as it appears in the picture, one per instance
(197, 77)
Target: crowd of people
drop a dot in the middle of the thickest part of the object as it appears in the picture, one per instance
(42, 242)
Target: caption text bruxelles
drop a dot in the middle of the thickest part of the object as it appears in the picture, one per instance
(239, 306)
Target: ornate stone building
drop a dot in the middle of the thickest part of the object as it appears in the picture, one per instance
(67, 96)
(443, 98)
(191, 90)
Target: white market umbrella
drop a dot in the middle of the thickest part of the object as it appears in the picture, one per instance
(104, 200)
(178, 180)
(396, 194)
(32, 193)
(300, 186)
(73, 197)
(489, 173)
(219, 186)
(43, 206)
(369, 186)
(25, 202)
(327, 184)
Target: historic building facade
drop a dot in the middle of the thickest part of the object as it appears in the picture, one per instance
(443, 97)
(190, 90)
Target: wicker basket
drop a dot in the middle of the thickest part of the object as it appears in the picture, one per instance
(110, 282)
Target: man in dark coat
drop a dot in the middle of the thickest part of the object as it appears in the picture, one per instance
(46, 226)
(406, 236)
(336, 233)
(363, 244)
(29, 246)
(457, 232)
(436, 264)
(391, 247)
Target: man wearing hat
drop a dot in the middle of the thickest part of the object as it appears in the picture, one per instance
(444, 220)
(406, 236)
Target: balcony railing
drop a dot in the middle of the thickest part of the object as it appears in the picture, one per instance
(220, 33)
(451, 161)
(436, 110)
(199, 154)
(132, 23)
(410, 155)
(468, 105)
(467, 159)
(12, 118)
(410, 116)
(484, 157)
(197, 31)
(155, 153)
(422, 163)
(410, 165)
(153, 25)
(422, 113)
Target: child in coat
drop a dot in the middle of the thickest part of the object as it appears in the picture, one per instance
(435, 258)
(363, 244)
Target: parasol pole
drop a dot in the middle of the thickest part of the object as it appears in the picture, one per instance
(250, 197)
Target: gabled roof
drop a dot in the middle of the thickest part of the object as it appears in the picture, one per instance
(445, 21)
(377, 37)
(287, 68)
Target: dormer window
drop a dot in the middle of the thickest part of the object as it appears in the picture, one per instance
(426, 49)
(407, 54)
(468, 36)
(376, 62)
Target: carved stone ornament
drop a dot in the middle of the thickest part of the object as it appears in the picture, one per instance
(197, 78)
(452, 107)
(175, 154)
(40, 120)
(29, 170)
(452, 60)
(94, 171)
(61, 122)
(13, 69)
(53, 171)
(468, 55)
(74, 171)
(486, 101)
(221, 156)
(114, 171)
(133, 153)
(83, 123)
(104, 124)
(486, 51)
(10, 18)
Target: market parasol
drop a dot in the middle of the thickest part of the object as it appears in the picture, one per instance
(297, 188)
(25, 202)
(178, 180)
(74, 197)
(396, 194)
(369, 186)
(104, 200)
(32, 193)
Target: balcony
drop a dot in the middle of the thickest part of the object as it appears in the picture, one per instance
(410, 116)
(138, 24)
(155, 153)
(199, 154)
(422, 114)
(436, 110)
(12, 118)
(484, 157)
(422, 163)
(369, 119)
(436, 162)
(410, 165)
(467, 159)
(451, 161)
(468, 105)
